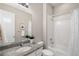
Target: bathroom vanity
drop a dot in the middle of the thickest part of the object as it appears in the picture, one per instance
(26, 50)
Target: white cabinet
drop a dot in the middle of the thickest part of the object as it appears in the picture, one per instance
(38, 52)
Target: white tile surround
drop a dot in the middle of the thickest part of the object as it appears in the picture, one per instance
(68, 42)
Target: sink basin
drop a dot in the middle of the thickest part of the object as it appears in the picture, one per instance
(23, 49)
(40, 42)
(18, 50)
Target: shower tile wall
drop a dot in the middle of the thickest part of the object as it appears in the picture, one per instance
(61, 24)
(62, 32)
(63, 41)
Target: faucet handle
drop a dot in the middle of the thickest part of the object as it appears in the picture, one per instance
(52, 41)
(26, 36)
(30, 37)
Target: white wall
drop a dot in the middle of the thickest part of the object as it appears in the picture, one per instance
(44, 25)
(37, 20)
(49, 24)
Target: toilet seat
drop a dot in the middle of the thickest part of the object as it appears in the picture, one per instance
(47, 52)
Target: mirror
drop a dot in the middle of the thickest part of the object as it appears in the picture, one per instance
(14, 25)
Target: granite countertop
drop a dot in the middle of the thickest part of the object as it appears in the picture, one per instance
(11, 51)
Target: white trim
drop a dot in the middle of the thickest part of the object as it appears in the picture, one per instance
(75, 33)
(44, 25)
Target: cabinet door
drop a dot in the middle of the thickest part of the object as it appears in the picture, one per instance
(39, 51)
(32, 54)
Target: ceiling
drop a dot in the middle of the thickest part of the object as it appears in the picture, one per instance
(56, 4)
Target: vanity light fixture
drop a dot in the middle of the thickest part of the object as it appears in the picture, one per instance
(24, 4)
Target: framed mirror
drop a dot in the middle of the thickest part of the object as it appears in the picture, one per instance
(11, 20)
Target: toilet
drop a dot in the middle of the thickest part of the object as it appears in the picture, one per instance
(47, 52)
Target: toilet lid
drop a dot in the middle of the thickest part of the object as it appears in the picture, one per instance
(48, 52)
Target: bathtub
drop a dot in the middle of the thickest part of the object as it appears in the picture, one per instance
(58, 52)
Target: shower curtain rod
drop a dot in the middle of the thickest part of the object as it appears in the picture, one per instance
(62, 14)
